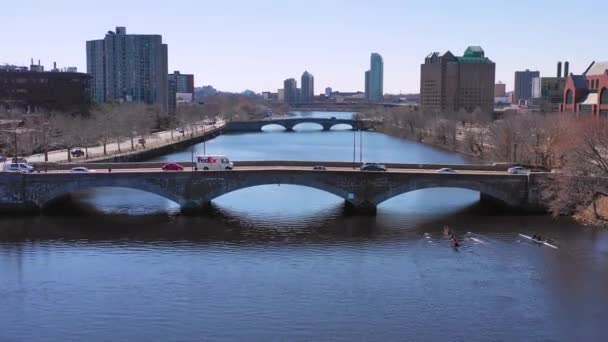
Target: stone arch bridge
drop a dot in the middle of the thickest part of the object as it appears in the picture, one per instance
(290, 123)
(193, 191)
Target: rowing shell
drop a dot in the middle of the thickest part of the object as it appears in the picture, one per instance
(541, 242)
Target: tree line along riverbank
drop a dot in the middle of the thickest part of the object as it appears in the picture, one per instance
(575, 147)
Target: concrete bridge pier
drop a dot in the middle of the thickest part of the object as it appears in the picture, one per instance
(196, 208)
(360, 208)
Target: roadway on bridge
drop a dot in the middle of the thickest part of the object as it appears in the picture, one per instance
(285, 168)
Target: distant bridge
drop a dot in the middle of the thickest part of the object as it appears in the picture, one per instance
(362, 191)
(290, 123)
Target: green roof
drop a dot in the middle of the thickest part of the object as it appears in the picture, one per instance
(474, 54)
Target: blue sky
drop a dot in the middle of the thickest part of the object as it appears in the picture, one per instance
(239, 44)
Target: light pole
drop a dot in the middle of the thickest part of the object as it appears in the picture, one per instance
(204, 140)
(192, 156)
(354, 148)
(360, 146)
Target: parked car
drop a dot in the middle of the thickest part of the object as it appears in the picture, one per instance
(2, 159)
(18, 160)
(18, 167)
(319, 168)
(373, 167)
(77, 152)
(446, 170)
(172, 167)
(80, 169)
(518, 170)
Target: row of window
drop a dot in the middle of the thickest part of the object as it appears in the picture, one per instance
(593, 84)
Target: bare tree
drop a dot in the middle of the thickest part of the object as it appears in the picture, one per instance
(65, 129)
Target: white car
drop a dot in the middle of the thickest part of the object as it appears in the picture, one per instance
(446, 170)
(518, 170)
(18, 167)
(80, 169)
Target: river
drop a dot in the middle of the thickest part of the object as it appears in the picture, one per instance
(284, 263)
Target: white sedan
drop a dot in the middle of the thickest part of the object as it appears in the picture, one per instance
(80, 169)
(446, 170)
(518, 170)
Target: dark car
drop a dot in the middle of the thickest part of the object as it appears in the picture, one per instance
(2, 159)
(373, 167)
(19, 160)
(319, 168)
(77, 152)
(172, 167)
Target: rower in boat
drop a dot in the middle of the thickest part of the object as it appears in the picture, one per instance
(455, 242)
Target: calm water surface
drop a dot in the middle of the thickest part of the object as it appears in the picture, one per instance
(283, 263)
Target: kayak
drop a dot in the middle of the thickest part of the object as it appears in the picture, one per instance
(477, 240)
(540, 242)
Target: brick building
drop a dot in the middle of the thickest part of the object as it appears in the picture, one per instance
(588, 93)
(50, 90)
(450, 83)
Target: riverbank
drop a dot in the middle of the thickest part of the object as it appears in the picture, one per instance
(156, 144)
(457, 148)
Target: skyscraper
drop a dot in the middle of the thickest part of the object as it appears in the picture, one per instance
(376, 78)
(290, 87)
(449, 83)
(367, 85)
(523, 85)
(308, 87)
(129, 67)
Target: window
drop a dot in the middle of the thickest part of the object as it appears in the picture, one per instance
(569, 99)
(604, 96)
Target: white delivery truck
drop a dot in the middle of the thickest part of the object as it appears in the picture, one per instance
(213, 163)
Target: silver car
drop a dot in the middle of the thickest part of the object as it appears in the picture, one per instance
(518, 170)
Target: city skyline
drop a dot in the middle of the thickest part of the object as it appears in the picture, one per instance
(213, 44)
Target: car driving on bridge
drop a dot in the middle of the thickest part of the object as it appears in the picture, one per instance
(518, 170)
(446, 170)
(213, 163)
(172, 167)
(18, 167)
(373, 167)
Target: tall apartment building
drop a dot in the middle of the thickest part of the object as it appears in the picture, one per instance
(308, 87)
(367, 84)
(129, 67)
(522, 90)
(290, 88)
(375, 80)
(450, 83)
(184, 82)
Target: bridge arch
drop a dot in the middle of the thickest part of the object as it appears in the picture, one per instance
(273, 126)
(310, 182)
(350, 125)
(483, 188)
(315, 123)
(75, 186)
